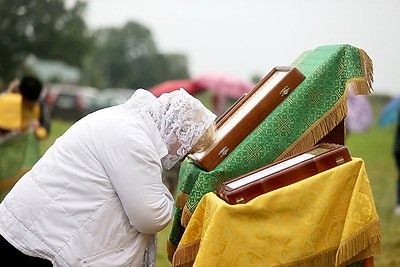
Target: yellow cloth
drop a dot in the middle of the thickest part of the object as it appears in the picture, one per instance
(33, 114)
(29, 114)
(329, 219)
(10, 111)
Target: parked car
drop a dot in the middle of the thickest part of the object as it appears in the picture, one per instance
(70, 102)
(111, 97)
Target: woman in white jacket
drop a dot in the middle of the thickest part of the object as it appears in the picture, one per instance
(96, 197)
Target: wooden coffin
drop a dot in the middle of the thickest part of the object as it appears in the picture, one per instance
(319, 158)
(247, 113)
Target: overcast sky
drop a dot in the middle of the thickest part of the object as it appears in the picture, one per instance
(250, 37)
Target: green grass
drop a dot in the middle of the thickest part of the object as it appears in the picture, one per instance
(58, 127)
(374, 147)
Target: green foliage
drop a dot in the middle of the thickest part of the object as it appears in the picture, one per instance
(375, 147)
(127, 57)
(42, 28)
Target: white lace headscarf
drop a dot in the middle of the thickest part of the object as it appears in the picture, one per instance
(180, 118)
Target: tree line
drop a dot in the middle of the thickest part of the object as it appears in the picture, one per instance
(124, 57)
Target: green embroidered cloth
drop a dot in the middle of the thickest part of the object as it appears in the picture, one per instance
(313, 109)
(17, 156)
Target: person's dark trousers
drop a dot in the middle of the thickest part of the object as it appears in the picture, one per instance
(397, 158)
(11, 256)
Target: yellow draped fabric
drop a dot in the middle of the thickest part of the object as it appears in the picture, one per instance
(329, 219)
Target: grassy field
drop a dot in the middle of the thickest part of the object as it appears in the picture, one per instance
(375, 148)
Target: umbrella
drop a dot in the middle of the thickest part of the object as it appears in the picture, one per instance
(359, 115)
(390, 112)
(168, 86)
(224, 84)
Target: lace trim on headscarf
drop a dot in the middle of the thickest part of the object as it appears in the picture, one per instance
(180, 118)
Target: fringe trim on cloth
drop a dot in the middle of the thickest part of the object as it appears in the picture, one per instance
(171, 248)
(360, 247)
(186, 255)
(325, 258)
(363, 245)
(362, 85)
(185, 218)
(181, 200)
(357, 248)
(319, 129)
(10, 182)
(356, 86)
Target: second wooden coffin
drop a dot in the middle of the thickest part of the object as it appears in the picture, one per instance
(320, 158)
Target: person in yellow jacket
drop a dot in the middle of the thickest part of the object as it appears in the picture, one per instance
(34, 111)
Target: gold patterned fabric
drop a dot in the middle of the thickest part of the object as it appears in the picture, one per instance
(329, 219)
(311, 111)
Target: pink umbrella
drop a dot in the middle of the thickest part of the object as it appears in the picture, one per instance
(224, 84)
(359, 115)
(168, 86)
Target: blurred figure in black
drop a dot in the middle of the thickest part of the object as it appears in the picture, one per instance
(396, 151)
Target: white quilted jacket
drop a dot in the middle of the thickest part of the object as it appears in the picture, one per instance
(99, 184)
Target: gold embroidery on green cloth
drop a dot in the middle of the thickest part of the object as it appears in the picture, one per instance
(253, 153)
(319, 129)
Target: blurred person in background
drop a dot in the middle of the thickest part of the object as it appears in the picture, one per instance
(35, 115)
(96, 197)
(396, 151)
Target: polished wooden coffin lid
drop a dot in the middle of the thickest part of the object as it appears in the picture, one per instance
(247, 113)
(319, 158)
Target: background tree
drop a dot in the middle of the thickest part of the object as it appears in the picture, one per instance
(46, 29)
(128, 57)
